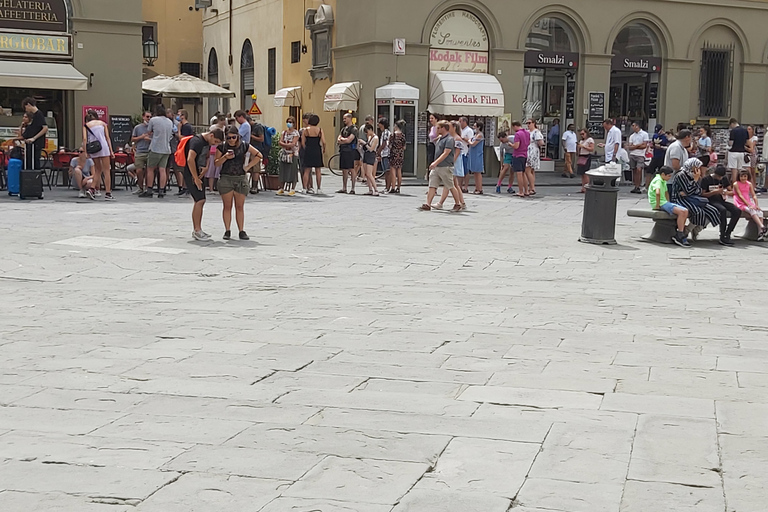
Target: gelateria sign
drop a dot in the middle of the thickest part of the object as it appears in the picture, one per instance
(458, 42)
(37, 15)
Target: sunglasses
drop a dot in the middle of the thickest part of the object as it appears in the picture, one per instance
(233, 137)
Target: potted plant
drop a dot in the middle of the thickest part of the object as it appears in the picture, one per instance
(271, 179)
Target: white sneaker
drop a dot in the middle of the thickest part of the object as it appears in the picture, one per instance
(137, 191)
(81, 195)
(205, 235)
(200, 236)
(319, 192)
(98, 194)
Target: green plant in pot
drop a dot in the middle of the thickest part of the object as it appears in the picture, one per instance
(273, 165)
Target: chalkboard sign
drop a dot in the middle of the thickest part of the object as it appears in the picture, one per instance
(570, 100)
(653, 100)
(596, 106)
(121, 129)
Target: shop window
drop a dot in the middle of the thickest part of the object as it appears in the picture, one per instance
(190, 68)
(271, 70)
(551, 35)
(213, 77)
(295, 52)
(715, 81)
(636, 39)
(246, 75)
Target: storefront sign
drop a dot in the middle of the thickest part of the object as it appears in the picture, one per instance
(103, 112)
(633, 63)
(38, 44)
(455, 60)
(458, 30)
(476, 99)
(561, 60)
(48, 15)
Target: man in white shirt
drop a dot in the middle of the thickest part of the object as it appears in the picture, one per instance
(466, 133)
(612, 140)
(677, 152)
(569, 145)
(638, 143)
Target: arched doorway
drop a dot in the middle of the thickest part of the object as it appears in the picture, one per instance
(246, 75)
(635, 72)
(549, 81)
(213, 77)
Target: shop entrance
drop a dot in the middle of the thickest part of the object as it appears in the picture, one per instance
(50, 103)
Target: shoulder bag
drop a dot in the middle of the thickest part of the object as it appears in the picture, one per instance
(93, 146)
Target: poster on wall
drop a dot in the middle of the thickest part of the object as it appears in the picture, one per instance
(103, 112)
(423, 128)
(504, 123)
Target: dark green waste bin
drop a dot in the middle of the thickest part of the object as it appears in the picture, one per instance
(598, 225)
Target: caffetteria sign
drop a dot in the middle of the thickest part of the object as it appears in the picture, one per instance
(458, 42)
(37, 15)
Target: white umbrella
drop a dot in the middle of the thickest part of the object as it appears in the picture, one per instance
(184, 86)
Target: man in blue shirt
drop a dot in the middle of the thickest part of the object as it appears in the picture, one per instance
(244, 126)
(659, 142)
(553, 139)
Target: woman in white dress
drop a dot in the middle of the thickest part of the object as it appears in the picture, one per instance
(533, 162)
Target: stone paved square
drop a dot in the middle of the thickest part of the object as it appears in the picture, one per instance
(357, 355)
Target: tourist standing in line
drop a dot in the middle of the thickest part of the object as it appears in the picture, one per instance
(141, 140)
(569, 146)
(304, 126)
(466, 134)
(244, 125)
(289, 157)
(584, 160)
(94, 131)
(233, 183)
(397, 156)
(36, 130)
(505, 154)
(659, 142)
(553, 139)
(313, 142)
(383, 152)
(638, 144)
(348, 154)
(460, 147)
(612, 141)
(520, 157)
(161, 129)
(441, 169)
(185, 130)
(369, 146)
(432, 136)
(476, 156)
(738, 151)
(198, 150)
(533, 162)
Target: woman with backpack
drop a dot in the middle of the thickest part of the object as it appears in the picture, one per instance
(232, 156)
(98, 146)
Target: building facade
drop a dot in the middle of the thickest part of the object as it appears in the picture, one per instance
(657, 62)
(69, 55)
(242, 52)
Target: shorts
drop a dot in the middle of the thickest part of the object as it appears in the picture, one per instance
(237, 184)
(73, 181)
(668, 207)
(157, 160)
(655, 166)
(140, 160)
(369, 158)
(736, 161)
(507, 158)
(441, 176)
(384, 164)
(196, 193)
(347, 158)
(518, 163)
(636, 162)
(752, 211)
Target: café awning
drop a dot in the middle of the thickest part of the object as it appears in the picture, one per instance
(465, 94)
(288, 97)
(41, 75)
(342, 96)
(183, 86)
(397, 91)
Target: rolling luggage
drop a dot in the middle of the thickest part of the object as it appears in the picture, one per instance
(31, 179)
(14, 176)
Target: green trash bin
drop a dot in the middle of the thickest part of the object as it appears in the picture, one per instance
(598, 225)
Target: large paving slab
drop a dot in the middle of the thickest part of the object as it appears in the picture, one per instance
(357, 355)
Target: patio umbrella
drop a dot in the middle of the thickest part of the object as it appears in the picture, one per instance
(183, 86)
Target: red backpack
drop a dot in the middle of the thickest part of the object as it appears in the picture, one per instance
(181, 151)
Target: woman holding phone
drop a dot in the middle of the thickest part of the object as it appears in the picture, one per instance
(236, 158)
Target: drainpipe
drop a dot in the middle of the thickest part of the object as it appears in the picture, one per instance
(230, 34)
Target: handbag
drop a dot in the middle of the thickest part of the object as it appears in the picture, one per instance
(747, 158)
(698, 201)
(93, 146)
(582, 161)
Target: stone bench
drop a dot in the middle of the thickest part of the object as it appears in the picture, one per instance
(665, 225)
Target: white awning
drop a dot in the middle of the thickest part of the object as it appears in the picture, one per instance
(41, 75)
(397, 91)
(184, 86)
(342, 96)
(288, 97)
(461, 94)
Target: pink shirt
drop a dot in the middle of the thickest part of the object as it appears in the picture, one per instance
(524, 138)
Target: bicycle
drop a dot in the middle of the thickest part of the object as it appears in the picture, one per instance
(333, 166)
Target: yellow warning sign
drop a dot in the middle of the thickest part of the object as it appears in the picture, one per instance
(255, 110)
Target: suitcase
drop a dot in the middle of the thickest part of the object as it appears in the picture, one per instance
(14, 176)
(31, 179)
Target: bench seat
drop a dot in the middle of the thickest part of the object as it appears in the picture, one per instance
(665, 225)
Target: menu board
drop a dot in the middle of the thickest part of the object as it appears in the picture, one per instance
(423, 129)
(653, 101)
(570, 100)
(596, 106)
(121, 129)
(596, 129)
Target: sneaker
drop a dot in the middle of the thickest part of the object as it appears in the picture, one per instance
(498, 189)
(280, 192)
(160, 195)
(724, 240)
(205, 235)
(510, 190)
(319, 192)
(181, 192)
(643, 190)
(91, 194)
(635, 190)
(81, 195)
(138, 191)
(680, 240)
(109, 197)
(147, 193)
(98, 193)
(695, 232)
(227, 235)
(199, 236)
(292, 193)
(244, 236)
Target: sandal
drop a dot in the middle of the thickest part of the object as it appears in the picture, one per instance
(351, 192)
(397, 190)
(456, 208)
(375, 194)
(425, 207)
(465, 190)
(368, 194)
(583, 190)
(478, 192)
(533, 193)
(342, 191)
(520, 195)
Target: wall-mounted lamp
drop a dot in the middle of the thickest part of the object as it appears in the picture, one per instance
(150, 52)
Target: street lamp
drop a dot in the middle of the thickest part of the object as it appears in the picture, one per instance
(149, 48)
